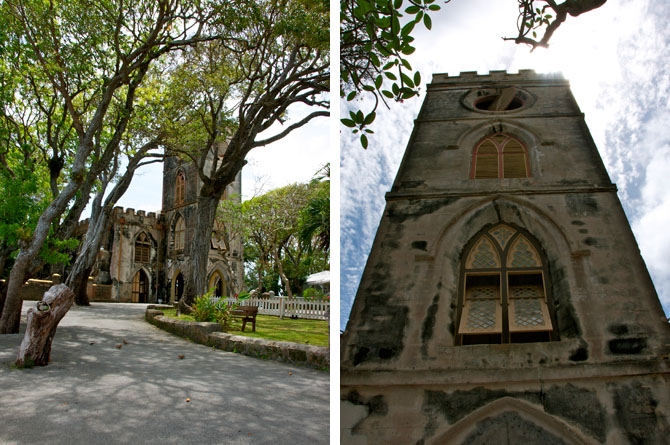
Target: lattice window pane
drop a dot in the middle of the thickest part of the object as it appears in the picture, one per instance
(502, 234)
(523, 254)
(483, 256)
(482, 310)
(528, 309)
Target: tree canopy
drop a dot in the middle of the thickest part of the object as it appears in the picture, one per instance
(277, 247)
(81, 84)
(376, 44)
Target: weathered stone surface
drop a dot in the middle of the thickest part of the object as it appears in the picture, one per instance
(402, 344)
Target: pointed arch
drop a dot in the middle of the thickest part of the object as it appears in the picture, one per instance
(218, 283)
(545, 424)
(500, 156)
(177, 287)
(180, 188)
(504, 301)
(141, 286)
(143, 245)
(451, 243)
(178, 233)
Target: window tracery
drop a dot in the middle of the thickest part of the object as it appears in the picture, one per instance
(504, 297)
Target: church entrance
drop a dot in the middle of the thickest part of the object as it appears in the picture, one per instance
(140, 287)
(178, 286)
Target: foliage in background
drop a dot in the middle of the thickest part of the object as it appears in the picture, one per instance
(313, 294)
(277, 247)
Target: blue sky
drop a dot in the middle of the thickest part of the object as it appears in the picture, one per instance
(616, 61)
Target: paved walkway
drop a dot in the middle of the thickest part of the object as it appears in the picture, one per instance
(114, 378)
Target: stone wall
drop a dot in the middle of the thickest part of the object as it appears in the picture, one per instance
(211, 334)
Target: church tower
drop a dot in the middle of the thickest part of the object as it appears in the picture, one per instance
(181, 185)
(504, 299)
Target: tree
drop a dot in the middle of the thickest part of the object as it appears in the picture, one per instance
(92, 57)
(374, 46)
(534, 15)
(237, 90)
(376, 40)
(314, 223)
(272, 227)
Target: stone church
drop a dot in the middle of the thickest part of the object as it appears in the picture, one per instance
(504, 299)
(144, 255)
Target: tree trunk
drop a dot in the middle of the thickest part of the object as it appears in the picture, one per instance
(196, 282)
(43, 320)
(78, 278)
(79, 284)
(11, 313)
(280, 270)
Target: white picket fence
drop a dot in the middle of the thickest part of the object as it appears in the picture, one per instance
(286, 307)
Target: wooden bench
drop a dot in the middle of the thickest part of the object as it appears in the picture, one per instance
(246, 313)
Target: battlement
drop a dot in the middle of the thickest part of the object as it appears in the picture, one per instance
(496, 77)
(139, 216)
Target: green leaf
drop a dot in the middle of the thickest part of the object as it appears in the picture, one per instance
(378, 81)
(370, 118)
(427, 22)
(412, 9)
(418, 17)
(388, 94)
(407, 29)
(434, 7)
(417, 78)
(351, 96)
(364, 141)
(408, 49)
(374, 59)
(406, 80)
(391, 76)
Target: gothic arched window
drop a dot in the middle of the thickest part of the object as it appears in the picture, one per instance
(179, 233)
(499, 156)
(180, 188)
(142, 248)
(504, 293)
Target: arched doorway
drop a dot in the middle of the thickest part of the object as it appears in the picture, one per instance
(217, 283)
(140, 287)
(178, 286)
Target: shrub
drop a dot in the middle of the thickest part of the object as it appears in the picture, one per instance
(312, 294)
(203, 308)
(222, 313)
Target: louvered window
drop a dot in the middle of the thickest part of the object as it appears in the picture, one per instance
(504, 298)
(142, 248)
(500, 156)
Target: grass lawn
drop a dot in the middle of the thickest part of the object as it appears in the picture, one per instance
(310, 332)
